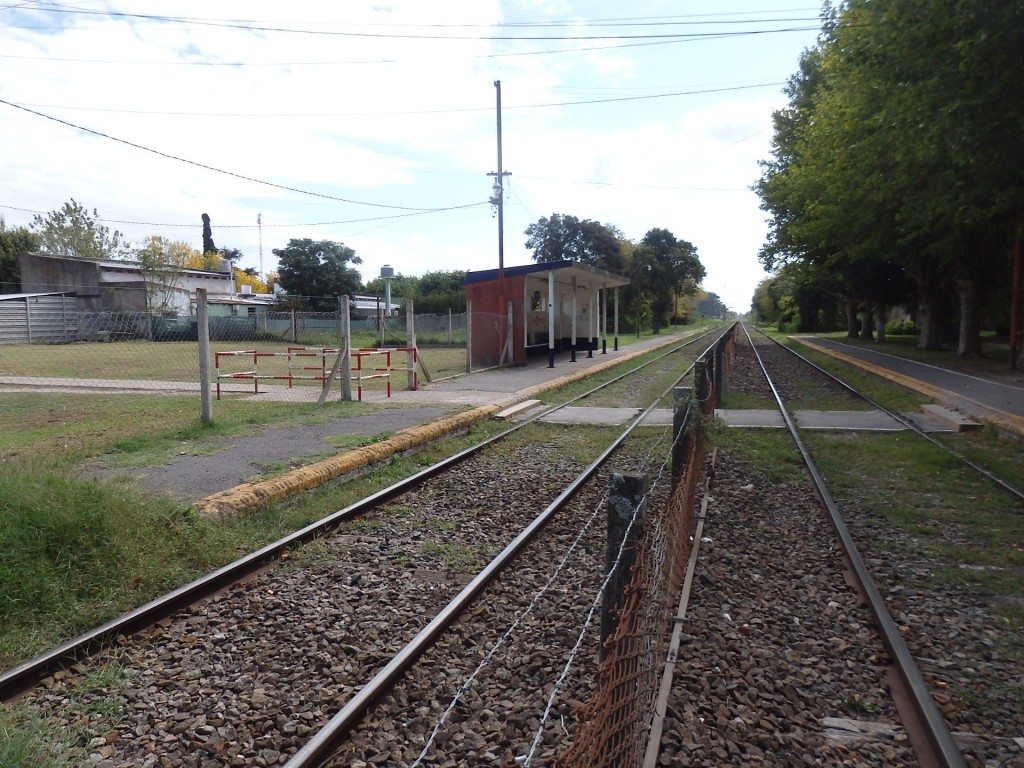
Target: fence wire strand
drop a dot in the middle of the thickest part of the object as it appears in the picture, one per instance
(613, 727)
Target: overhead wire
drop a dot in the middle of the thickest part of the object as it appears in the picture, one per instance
(402, 113)
(646, 40)
(393, 217)
(285, 187)
(250, 26)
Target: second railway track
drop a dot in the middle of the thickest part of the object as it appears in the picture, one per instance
(782, 665)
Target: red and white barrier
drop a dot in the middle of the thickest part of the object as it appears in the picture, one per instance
(319, 372)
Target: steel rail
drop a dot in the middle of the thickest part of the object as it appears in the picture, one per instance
(23, 676)
(1013, 490)
(926, 727)
(334, 732)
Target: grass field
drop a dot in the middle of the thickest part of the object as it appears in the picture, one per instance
(173, 361)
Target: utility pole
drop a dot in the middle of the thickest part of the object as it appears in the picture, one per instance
(259, 226)
(498, 200)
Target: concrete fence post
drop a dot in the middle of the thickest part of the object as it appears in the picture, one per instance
(701, 385)
(346, 349)
(410, 342)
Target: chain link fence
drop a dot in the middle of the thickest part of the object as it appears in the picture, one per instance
(615, 725)
(49, 342)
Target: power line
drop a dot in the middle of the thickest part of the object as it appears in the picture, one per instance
(457, 110)
(260, 26)
(259, 223)
(231, 173)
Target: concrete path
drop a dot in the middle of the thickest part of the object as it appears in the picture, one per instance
(995, 402)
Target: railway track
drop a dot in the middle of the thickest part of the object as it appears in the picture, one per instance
(276, 658)
(781, 662)
(448, 621)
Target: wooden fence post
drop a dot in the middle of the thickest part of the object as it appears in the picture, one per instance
(682, 398)
(203, 333)
(626, 500)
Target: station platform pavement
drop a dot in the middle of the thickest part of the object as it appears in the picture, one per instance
(1000, 403)
(506, 386)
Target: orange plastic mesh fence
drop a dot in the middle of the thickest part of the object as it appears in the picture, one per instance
(613, 726)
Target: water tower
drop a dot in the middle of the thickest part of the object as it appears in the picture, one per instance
(386, 273)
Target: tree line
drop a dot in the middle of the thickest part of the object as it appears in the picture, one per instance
(663, 269)
(312, 272)
(897, 171)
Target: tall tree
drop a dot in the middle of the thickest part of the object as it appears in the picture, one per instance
(208, 245)
(665, 267)
(162, 261)
(900, 154)
(318, 271)
(12, 243)
(566, 238)
(73, 231)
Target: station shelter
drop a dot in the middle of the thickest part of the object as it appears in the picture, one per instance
(560, 306)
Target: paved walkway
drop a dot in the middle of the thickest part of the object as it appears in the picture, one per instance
(998, 403)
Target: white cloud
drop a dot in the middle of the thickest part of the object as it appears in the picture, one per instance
(395, 115)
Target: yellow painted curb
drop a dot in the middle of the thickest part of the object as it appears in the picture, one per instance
(996, 416)
(250, 496)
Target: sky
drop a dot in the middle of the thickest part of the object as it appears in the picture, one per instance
(375, 123)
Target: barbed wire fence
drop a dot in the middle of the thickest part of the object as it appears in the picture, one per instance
(614, 727)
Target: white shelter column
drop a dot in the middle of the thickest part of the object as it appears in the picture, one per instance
(591, 320)
(572, 333)
(616, 318)
(604, 319)
(551, 319)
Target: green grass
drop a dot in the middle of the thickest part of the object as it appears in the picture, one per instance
(739, 401)
(179, 361)
(770, 452)
(1002, 453)
(28, 741)
(136, 430)
(80, 552)
(948, 511)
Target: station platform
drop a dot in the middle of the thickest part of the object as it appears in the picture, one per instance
(463, 400)
(505, 386)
